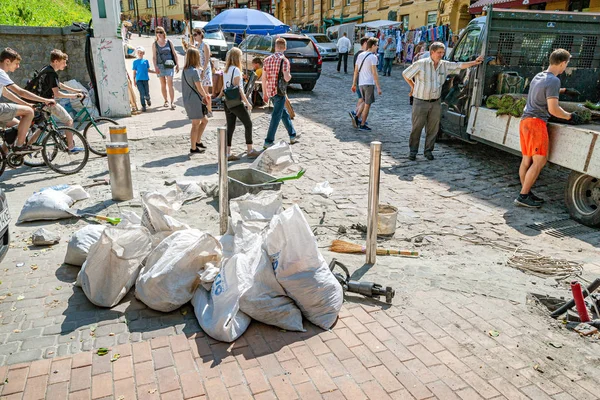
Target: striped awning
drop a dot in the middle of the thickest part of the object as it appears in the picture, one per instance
(477, 7)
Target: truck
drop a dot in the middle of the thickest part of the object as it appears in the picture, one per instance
(519, 42)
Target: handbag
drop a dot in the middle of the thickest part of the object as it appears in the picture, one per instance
(204, 107)
(281, 83)
(232, 94)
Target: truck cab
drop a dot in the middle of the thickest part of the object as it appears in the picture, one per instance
(518, 43)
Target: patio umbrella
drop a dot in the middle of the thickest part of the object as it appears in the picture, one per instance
(246, 21)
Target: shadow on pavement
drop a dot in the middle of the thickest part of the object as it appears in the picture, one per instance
(164, 162)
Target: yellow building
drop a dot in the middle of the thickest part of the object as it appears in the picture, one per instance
(313, 14)
(172, 9)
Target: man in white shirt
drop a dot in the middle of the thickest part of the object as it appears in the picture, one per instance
(366, 78)
(10, 60)
(343, 46)
(426, 78)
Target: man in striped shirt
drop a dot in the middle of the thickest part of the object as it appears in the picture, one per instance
(426, 78)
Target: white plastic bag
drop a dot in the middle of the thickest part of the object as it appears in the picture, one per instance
(301, 269)
(323, 188)
(276, 158)
(47, 205)
(173, 270)
(76, 192)
(218, 311)
(80, 243)
(113, 264)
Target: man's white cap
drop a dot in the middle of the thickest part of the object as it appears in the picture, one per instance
(140, 48)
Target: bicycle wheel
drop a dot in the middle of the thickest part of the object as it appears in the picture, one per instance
(2, 161)
(36, 159)
(57, 155)
(98, 135)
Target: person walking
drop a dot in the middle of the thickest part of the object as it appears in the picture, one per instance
(388, 56)
(356, 114)
(343, 45)
(166, 63)
(380, 53)
(426, 78)
(141, 78)
(232, 80)
(276, 75)
(366, 79)
(204, 49)
(542, 102)
(194, 99)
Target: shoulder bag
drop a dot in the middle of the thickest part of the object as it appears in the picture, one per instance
(168, 64)
(281, 83)
(232, 93)
(204, 108)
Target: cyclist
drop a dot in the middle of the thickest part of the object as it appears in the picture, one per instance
(50, 87)
(10, 60)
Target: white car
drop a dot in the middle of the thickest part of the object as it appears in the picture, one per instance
(4, 228)
(326, 46)
(214, 40)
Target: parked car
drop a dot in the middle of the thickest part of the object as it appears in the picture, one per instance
(215, 41)
(4, 221)
(326, 46)
(305, 59)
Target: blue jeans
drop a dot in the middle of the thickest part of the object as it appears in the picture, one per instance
(144, 91)
(279, 113)
(380, 63)
(387, 66)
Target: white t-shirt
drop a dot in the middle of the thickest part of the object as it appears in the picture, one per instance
(230, 75)
(4, 80)
(365, 77)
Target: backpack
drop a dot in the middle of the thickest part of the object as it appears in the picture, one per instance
(34, 85)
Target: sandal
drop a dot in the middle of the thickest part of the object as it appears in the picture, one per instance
(166, 104)
(172, 106)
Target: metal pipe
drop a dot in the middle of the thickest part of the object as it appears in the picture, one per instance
(579, 302)
(372, 213)
(223, 181)
(567, 306)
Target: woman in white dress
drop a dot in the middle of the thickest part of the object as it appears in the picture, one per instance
(204, 49)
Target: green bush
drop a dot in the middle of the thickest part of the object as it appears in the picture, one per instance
(56, 13)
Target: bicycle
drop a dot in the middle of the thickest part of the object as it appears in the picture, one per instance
(53, 142)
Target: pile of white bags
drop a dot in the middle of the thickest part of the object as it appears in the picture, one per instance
(80, 243)
(175, 269)
(113, 264)
(47, 205)
(157, 214)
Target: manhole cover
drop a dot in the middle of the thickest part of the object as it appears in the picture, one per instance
(562, 228)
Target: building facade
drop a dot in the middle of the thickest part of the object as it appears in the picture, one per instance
(171, 9)
(313, 15)
(267, 6)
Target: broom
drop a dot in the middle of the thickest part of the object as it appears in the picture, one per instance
(339, 246)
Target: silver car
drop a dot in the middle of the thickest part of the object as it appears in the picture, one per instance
(4, 221)
(326, 46)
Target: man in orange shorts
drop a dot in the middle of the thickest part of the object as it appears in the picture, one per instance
(542, 101)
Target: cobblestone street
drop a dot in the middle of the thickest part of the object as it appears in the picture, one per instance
(434, 341)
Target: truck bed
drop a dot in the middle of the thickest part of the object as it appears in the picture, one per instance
(573, 147)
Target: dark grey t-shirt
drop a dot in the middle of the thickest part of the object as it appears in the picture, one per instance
(544, 86)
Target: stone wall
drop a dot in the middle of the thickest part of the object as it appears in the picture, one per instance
(34, 44)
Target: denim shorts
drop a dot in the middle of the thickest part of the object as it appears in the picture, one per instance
(162, 71)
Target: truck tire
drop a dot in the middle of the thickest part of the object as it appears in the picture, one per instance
(583, 198)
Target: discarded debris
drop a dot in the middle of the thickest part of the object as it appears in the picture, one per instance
(323, 188)
(20, 264)
(538, 369)
(585, 329)
(359, 227)
(494, 333)
(555, 345)
(102, 351)
(339, 246)
(115, 357)
(44, 237)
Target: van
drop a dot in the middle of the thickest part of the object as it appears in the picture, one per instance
(215, 41)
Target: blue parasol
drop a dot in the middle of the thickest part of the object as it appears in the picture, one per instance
(246, 21)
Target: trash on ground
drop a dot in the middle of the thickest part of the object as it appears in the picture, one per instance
(368, 289)
(47, 205)
(493, 333)
(301, 269)
(276, 158)
(323, 188)
(340, 246)
(174, 269)
(113, 264)
(210, 187)
(44, 237)
(585, 329)
(80, 243)
(157, 214)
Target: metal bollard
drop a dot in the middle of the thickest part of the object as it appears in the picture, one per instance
(119, 167)
(223, 182)
(373, 211)
(118, 134)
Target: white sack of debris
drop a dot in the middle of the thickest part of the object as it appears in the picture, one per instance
(175, 268)
(47, 205)
(80, 243)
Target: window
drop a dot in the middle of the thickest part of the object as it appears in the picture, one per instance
(148, 3)
(303, 7)
(332, 4)
(347, 2)
(131, 5)
(579, 5)
(264, 43)
(172, 2)
(312, 6)
(467, 49)
(431, 18)
(121, 5)
(302, 47)
(404, 20)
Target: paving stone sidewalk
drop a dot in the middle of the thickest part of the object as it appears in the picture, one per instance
(435, 347)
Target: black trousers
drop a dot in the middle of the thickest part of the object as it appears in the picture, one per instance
(345, 56)
(231, 114)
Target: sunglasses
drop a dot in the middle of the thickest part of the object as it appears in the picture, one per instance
(197, 34)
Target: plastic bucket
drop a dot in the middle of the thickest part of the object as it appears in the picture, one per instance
(386, 220)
